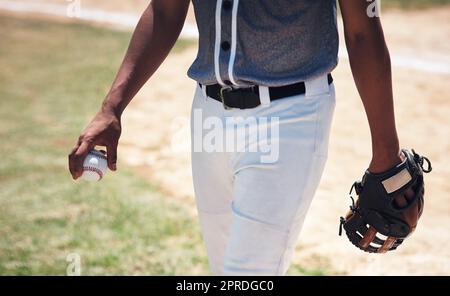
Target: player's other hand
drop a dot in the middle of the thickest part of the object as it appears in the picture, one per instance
(104, 130)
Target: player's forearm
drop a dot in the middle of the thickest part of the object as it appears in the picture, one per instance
(153, 38)
(371, 68)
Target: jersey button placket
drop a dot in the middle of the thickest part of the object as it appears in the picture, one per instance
(225, 45)
(227, 5)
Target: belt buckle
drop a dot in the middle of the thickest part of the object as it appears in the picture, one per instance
(223, 90)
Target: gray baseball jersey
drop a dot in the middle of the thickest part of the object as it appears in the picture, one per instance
(264, 42)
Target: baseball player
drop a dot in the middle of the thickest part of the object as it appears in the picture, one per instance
(267, 63)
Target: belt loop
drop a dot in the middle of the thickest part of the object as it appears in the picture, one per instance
(203, 87)
(264, 95)
(317, 86)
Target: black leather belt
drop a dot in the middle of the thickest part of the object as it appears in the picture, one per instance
(246, 98)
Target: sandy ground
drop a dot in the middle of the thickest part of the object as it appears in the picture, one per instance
(156, 142)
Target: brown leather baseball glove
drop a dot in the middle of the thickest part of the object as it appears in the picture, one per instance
(375, 222)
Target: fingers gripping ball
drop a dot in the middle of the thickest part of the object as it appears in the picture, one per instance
(95, 166)
(375, 222)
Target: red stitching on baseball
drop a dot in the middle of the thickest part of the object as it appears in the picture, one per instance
(95, 170)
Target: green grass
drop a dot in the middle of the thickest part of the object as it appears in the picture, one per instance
(53, 77)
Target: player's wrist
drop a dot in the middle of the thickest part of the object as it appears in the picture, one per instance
(112, 106)
(110, 109)
(386, 153)
(386, 148)
(383, 161)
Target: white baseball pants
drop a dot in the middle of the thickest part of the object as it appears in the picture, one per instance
(251, 211)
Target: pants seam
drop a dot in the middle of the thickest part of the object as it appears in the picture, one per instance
(291, 224)
(283, 254)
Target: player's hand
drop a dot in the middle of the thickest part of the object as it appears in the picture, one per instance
(104, 130)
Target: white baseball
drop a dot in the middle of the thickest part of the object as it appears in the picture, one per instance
(95, 166)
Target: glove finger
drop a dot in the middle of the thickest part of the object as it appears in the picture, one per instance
(400, 201)
(403, 200)
(409, 194)
(411, 216)
(368, 237)
(388, 243)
